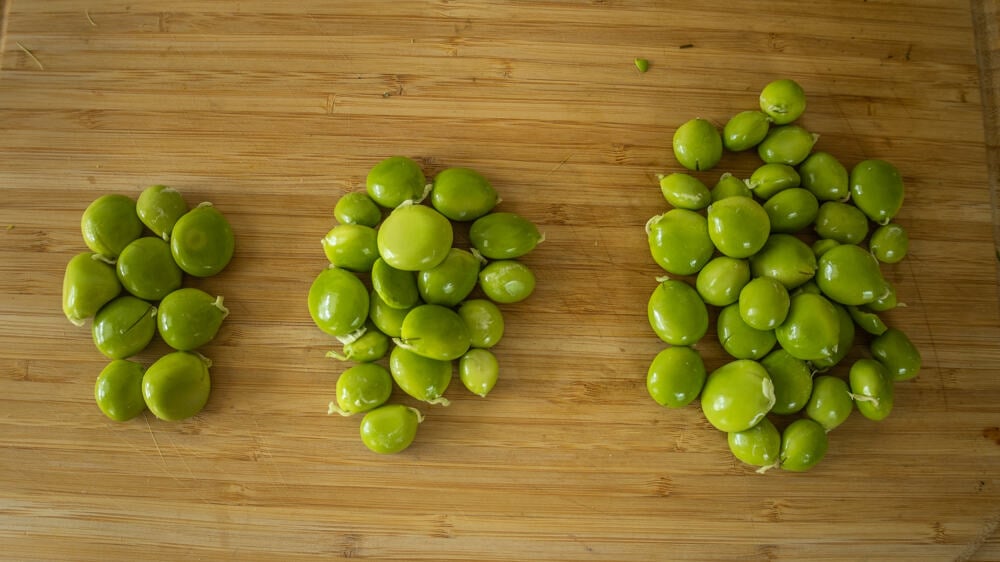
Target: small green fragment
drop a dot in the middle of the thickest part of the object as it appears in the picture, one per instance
(642, 64)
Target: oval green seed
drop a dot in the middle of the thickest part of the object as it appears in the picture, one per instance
(803, 444)
(842, 222)
(830, 403)
(504, 236)
(479, 371)
(675, 376)
(679, 241)
(791, 210)
(825, 177)
(895, 350)
(758, 446)
(772, 178)
(787, 144)
(889, 243)
(783, 100)
(357, 207)
(877, 189)
(676, 313)
(160, 207)
(745, 130)
(697, 145)
(685, 191)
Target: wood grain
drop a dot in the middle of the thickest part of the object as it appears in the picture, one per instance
(272, 110)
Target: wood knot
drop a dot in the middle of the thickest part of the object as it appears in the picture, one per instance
(993, 434)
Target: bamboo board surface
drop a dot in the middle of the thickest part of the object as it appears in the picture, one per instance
(272, 110)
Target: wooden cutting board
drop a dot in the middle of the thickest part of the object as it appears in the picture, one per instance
(272, 110)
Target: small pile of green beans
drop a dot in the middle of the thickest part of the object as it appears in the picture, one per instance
(790, 263)
(130, 285)
(409, 305)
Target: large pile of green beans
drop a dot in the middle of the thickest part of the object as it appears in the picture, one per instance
(399, 291)
(130, 284)
(790, 262)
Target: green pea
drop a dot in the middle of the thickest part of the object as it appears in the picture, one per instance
(421, 377)
(867, 320)
(809, 286)
(886, 302)
(338, 302)
(435, 332)
(370, 346)
(685, 191)
(642, 65)
(462, 194)
(739, 339)
(679, 241)
(763, 303)
(737, 395)
(889, 243)
(124, 327)
(147, 269)
(850, 275)
(844, 341)
(357, 207)
(159, 207)
(830, 403)
(676, 313)
(811, 330)
(675, 376)
(719, 283)
(786, 258)
(109, 224)
(745, 130)
(895, 350)
(772, 178)
(803, 444)
(390, 429)
(738, 226)
(783, 100)
(414, 237)
(729, 186)
(872, 389)
(89, 283)
(842, 222)
(478, 370)
(189, 318)
(351, 246)
(825, 177)
(877, 189)
(507, 281)
(118, 390)
(823, 245)
(176, 386)
(394, 180)
(758, 446)
(504, 236)
(449, 282)
(397, 288)
(792, 381)
(485, 322)
(791, 210)
(787, 144)
(387, 319)
(202, 241)
(361, 388)
(697, 145)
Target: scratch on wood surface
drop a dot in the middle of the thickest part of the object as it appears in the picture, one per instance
(155, 442)
(30, 55)
(86, 12)
(560, 164)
